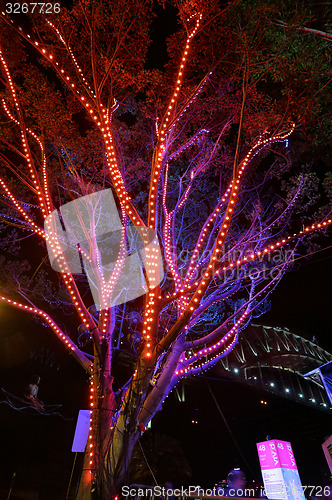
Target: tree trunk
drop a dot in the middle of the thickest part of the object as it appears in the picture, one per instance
(95, 482)
(116, 443)
(113, 433)
(106, 486)
(111, 463)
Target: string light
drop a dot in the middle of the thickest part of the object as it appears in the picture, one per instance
(149, 324)
(207, 351)
(44, 166)
(26, 148)
(45, 206)
(90, 445)
(100, 115)
(69, 344)
(164, 126)
(276, 245)
(194, 358)
(18, 207)
(55, 248)
(101, 122)
(260, 144)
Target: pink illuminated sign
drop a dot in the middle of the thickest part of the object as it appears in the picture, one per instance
(276, 454)
(286, 455)
(279, 470)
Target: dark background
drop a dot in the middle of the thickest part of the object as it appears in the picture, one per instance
(38, 447)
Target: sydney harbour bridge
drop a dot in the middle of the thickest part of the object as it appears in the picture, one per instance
(274, 360)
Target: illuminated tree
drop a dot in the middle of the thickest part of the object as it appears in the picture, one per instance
(226, 240)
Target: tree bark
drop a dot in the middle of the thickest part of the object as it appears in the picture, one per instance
(112, 438)
(101, 484)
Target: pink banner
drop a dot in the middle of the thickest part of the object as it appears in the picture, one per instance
(276, 454)
(268, 455)
(286, 455)
(279, 471)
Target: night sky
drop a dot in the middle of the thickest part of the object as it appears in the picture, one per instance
(303, 299)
